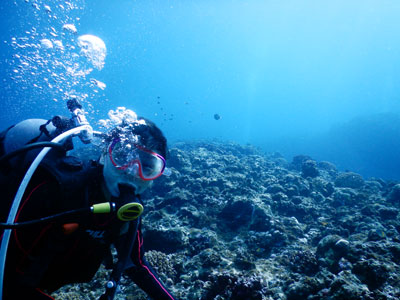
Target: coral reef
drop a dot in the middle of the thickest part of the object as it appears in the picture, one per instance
(233, 223)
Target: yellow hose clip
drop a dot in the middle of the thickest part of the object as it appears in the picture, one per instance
(130, 211)
(102, 208)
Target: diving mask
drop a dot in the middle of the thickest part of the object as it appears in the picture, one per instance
(135, 159)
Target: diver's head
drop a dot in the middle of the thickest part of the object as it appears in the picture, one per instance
(135, 155)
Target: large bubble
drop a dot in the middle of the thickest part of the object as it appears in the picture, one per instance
(94, 49)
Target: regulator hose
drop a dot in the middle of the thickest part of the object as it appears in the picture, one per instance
(100, 208)
(45, 219)
(30, 147)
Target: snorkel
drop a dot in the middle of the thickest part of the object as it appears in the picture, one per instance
(77, 126)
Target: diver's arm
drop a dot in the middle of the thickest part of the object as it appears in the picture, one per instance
(144, 275)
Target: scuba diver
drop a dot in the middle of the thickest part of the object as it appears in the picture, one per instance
(72, 211)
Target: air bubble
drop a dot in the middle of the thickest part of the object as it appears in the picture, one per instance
(99, 84)
(94, 49)
(70, 28)
(45, 43)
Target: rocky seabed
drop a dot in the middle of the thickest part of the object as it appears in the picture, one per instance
(233, 223)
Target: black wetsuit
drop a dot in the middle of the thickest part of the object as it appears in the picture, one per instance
(42, 258)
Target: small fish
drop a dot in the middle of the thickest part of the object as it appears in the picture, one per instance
(217, 117)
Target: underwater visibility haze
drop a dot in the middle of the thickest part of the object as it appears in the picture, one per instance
(295, 77)
(283, 122)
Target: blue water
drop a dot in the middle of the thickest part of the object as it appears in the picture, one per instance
(298, 77)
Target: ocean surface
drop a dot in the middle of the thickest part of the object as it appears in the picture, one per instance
(320, 78)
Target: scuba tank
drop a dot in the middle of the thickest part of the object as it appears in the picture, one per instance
(20, 138)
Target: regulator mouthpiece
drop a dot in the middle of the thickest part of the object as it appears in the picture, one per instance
(127, 212)
(130, 211)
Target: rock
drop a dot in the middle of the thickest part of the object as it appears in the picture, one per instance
(281, 162)
(298, 161)
(167, 241)
(323, 186)
(309, 168)
(280, 197)
(328, 167)
(237, 214)
(343, 196)
(178, 159)
(331, 249)
(210, 258)
(303, 262)
(303, 288)
(260, 220)
(349, 180)
(341, 247)
(291, 190)
(371, 272)
(394, 194)
(244, 261)
(388, 213)
(233, 287)
(317, 197)
(370, 209)
(347, 286)
(275, 188)
(395, 251)
(202, 239)
(373, 186)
